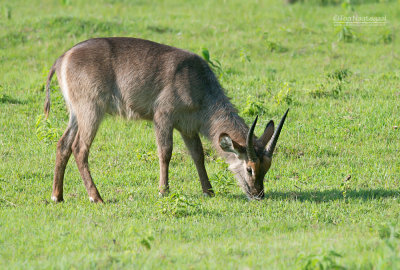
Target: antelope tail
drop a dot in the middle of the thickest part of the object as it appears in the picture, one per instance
(47, 101)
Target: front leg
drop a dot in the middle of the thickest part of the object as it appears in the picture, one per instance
(164, 136)
(193, 143)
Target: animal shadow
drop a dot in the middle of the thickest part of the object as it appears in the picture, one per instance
(333, 195)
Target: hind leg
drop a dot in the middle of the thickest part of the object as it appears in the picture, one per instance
(164, 136)
(88, 124)
(63, 153)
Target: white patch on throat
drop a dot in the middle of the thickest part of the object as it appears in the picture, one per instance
(237, 166)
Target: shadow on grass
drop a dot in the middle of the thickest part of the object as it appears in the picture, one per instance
(333, 195)
(160, 29)
(10, 100)
(322, 196)
(311, 196)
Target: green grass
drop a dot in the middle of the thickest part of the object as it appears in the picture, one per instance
(344, 95)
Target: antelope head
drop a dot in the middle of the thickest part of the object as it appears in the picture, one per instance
(250, 163)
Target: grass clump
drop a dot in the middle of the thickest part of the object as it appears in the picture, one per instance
(273, 45)
(178, 205)
(45, 130)
(322, 261)
(222, 184)
(333, 86)
(214, 63)
(254, 107)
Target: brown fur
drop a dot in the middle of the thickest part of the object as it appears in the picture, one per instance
(140, 79)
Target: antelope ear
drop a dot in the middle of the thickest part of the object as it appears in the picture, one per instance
(269, 130)
(226, 144)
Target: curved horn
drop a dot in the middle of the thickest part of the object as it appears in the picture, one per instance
(267, 135)
(251, 153)
(274, 139)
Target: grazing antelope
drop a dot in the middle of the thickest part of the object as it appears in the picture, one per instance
(174, 88)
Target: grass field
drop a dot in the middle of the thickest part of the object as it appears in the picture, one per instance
(332, 194)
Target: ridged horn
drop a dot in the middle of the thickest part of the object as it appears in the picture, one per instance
(251, 153)
(267, 135)
(274, 139)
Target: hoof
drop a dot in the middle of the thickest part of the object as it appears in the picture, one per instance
(57, 200)
(163, 194)
(163, 191)
(208, 194)
(95, 200)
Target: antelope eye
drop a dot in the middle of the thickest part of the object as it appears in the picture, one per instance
(249, 170)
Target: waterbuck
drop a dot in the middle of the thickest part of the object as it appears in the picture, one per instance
(174, 88)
